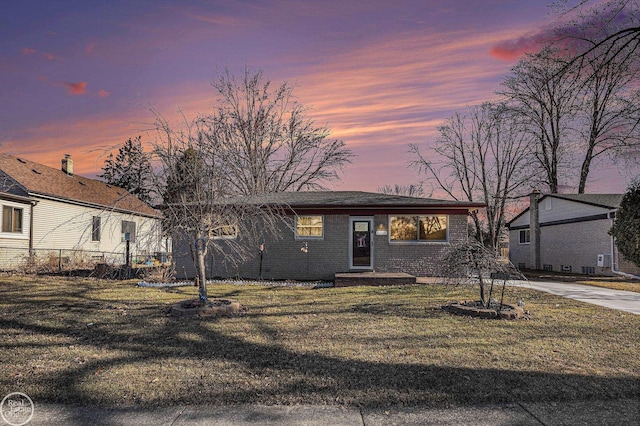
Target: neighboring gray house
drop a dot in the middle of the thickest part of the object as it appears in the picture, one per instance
(343, 231)
(567, 233)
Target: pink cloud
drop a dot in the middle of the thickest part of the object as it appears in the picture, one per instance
(49, 56)
(103, 93)
(78, 88)
(511, 50)
(569, 35)
(89, 49)
(29, 51)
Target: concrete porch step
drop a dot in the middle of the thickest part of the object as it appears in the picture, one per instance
(373, 278)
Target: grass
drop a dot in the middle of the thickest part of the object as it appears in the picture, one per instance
(85, 341)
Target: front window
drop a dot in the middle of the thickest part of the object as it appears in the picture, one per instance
(433, 228)
(11, 219)
(418, 228)
(525, 236)
(309, 227)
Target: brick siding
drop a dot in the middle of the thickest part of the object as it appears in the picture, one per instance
(285, 259)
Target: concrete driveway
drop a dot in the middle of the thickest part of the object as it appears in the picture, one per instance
(621, 300)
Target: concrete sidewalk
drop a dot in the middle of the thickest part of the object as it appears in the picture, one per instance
(612, 412)
(627, 301)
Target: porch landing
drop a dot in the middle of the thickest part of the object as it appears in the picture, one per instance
(373, 278)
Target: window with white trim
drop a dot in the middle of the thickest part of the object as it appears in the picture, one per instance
(96, 228)
(128, 230)
(418, 228)
(525, 236)
(309, 226)
(12, 219)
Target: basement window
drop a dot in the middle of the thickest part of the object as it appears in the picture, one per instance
(588, 270)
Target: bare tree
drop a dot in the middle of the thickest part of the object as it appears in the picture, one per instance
(471, 263)
(485, 156)
(621, 17)
(215, 168)
(199, 207)
(607, 71)
(410, 190)
(609, 122)
(544, 93)
(269, 144)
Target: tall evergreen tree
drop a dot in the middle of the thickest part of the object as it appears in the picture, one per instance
(130, 169)
(626, 227)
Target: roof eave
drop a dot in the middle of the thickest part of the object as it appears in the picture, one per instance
(94, 205)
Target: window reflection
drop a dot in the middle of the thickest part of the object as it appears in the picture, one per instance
(418, 228)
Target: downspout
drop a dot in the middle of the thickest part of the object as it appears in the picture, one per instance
(33, 203)
(612, 215)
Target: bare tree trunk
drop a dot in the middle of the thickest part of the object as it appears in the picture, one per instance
(201, 252)
(481, 280)
(478, 226)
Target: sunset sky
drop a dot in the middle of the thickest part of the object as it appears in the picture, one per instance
(78, 77)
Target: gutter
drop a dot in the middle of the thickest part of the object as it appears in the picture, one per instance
(613, 259)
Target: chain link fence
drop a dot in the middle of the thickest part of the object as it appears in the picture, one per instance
(64, 260)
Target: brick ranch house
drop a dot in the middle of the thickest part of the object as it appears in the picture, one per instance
(52, 212)
(346, 231)
(568, 233)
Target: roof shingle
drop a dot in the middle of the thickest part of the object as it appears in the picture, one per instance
(353, 199)
(36, 179)
(611, 201)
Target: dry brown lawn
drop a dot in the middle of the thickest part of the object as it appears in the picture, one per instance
(86, 341)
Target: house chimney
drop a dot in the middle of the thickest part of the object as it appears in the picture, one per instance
(67, 165)
(534, 230)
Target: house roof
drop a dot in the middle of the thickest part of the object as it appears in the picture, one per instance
(28, 178)
(610, 201)
(354, 199)
(607, 201)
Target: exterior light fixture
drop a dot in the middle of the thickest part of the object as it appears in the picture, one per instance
(381, 229)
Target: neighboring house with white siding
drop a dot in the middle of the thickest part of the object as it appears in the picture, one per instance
(48, 209)
(568, 233)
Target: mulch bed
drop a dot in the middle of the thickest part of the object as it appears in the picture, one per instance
(475, 308)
